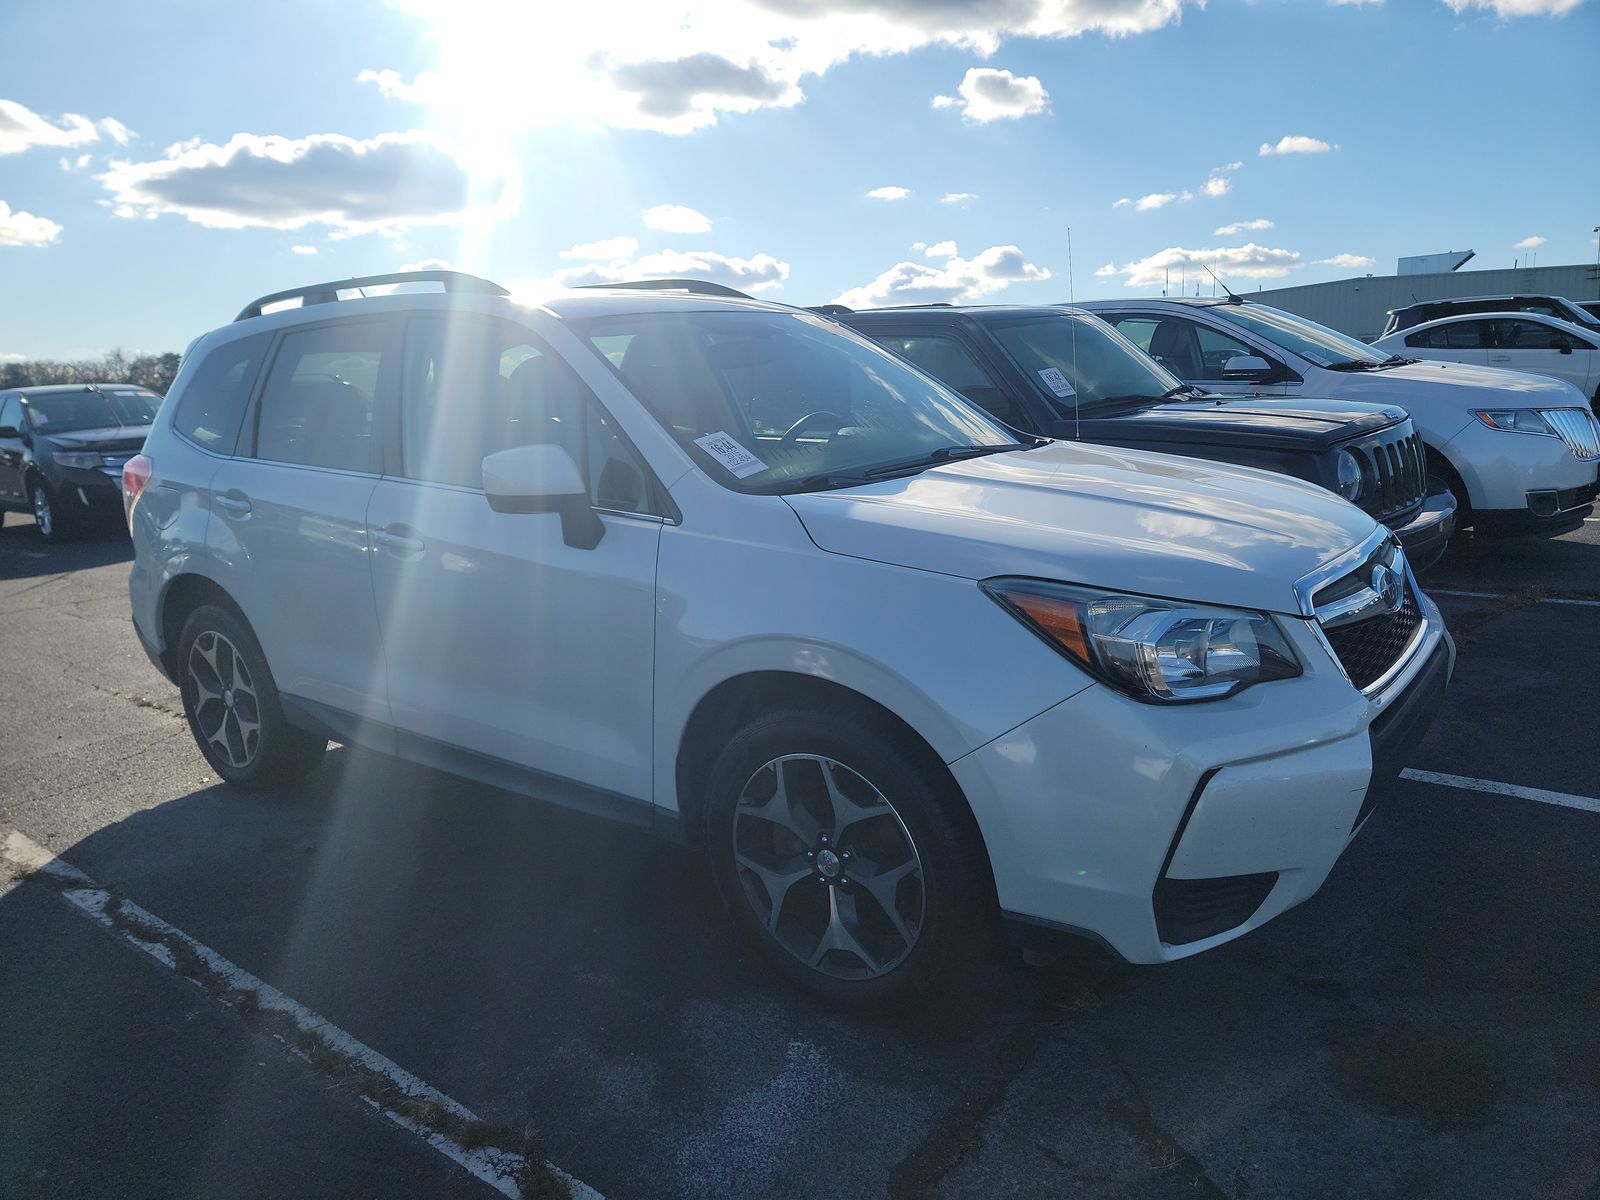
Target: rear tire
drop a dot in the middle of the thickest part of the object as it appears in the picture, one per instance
(838, 849)
(232, 704)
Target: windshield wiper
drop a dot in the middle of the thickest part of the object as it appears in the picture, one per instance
(943, 454)
(1183, 389)
(1355, 364)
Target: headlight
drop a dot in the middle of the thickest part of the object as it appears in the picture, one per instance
(76, 458)
(1157, 651)
(1516, 420)
(1350, 476)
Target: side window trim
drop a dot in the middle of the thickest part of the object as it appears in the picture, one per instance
(246, 418)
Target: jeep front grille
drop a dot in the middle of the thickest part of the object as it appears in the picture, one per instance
(1396, 469)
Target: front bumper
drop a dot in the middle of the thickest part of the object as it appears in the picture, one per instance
(1163, 832)
(1547, 513)
(87, 491)
(1427, 534)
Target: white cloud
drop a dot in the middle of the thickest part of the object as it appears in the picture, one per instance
(956, 280)
(940, 250)
(1249, 261)
(986, 95)
(888, 193)
(1227, 168)
(608, 248)
(11, 356)
(956, 197)
(1243, 227)
(389, 182)
(1106, 271)
(1158, 200)
(21, 128)
(676, 67)
(1217, 185)
(1348, 3)
(1295, 143)
(1528, 243)
(676, 218)
(1506, 9)
(1353, 262)
(24, 229)
(1125, 202)
(750, 274)
(302, 249)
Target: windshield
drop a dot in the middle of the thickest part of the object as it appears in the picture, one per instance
(1312, 342)
(1081, 365)
(1568, 311)
(67, 412)
(773, 402)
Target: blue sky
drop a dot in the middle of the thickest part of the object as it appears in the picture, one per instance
(162, 165)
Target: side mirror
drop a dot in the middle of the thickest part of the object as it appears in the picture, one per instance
(1248, 368)
(1566, 346)
(541, 479)
(10, 431)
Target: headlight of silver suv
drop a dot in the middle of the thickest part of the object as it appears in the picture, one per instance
(1156, 651)
(1516, 420)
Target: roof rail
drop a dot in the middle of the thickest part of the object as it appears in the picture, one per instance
(697, 287)
(924, 304)
(830, 310)
(328, 293)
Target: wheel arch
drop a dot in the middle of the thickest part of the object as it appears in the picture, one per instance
(1440, 462)
(725, 707)
(180, 597)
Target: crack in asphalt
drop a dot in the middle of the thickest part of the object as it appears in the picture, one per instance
(139, 701)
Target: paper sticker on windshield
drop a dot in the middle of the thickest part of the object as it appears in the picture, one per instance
(727, 451)
(39, 418)
(1057, 382)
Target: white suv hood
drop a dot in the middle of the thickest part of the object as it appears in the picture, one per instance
(1471, 386)
(1119, 519)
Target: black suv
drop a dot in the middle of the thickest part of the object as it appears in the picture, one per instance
(1432, 310)
(62, 449)
(1063, 373)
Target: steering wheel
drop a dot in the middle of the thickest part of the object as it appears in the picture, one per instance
(793, 432)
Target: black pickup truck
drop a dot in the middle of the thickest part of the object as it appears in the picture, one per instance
(1062, 373)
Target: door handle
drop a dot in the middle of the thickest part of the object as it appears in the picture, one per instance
(234, 502)
(1499, 358)
(397, 538)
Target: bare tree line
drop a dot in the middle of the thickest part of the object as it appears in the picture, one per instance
(154, 371)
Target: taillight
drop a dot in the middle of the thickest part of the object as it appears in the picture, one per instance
(135, 474)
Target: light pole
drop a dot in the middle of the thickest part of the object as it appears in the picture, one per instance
(1596, 230)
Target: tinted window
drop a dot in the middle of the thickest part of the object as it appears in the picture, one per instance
(1217, 350)
(1527, 335)
(11, 413)
(472, 386)
(1458, 335)
(948, 361)
(214, 398)
(316, 408)
(1138, 330)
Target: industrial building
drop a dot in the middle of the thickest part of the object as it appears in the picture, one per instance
(1360, 306)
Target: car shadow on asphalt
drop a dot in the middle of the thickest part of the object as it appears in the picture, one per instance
(25, 555)
(1568, 565)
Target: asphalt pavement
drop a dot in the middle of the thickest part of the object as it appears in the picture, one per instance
(1425, 1026)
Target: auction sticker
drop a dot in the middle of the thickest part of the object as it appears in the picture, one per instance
(1056, 381)
(727, 451)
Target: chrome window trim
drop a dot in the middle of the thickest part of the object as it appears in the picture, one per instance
(1307, 586)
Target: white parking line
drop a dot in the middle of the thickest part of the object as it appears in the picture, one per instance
(233, 985)
(1463, 595)
(1561, 799)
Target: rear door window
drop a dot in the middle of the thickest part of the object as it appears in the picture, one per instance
(1527, 335)
(953, 365)
(317, 405)
(212, 406)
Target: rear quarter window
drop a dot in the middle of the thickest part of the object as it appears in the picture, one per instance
(213, 402)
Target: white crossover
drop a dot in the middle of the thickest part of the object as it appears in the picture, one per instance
(1475, 420)
(1513, 341)
(728, 570)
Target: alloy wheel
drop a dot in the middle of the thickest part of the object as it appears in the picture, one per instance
(223, 698)
(42, 512)
(828, 866)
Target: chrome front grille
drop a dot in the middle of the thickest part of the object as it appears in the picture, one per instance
(1370, 616)
(1396, 470)
(1577, 429)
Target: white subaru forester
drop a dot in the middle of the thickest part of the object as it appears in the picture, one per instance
(727, 569)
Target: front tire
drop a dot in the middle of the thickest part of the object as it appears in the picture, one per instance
(47, 515)
(232, 705)
(838, 849)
